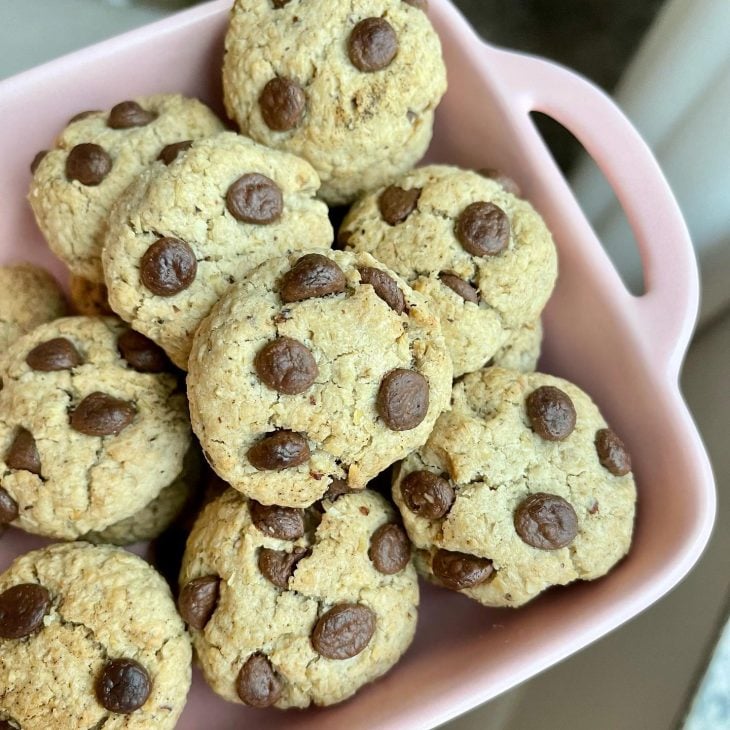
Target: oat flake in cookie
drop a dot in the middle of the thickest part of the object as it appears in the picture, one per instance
(521, 486)
(89, 637)
(350, 88)
(310, 370)
(287, 618)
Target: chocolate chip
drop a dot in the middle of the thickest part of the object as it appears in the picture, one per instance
(286, 365)
(420, 4)
(344, 631)
(141, 353)
(22, 609)
(128, 114)
(278, 565)
(463, 288)
(337, 488)
(23, 453)
(37, 160)
(100, 414)
(612, 452)
(373, 44)
(396, 204)
(459, 570)
(279, 450)
(123, 686)
(385, 287)
(483, 229)
(312, 276)
(255, 198)
(168, 267)
(8, 508)
(5, 725)
(390, 549)
(546, 521)
(403, 399)
(88, 163)
(82, 115)
(198, 600)
(280, 3)
(507, 183)
(258, 685)
(282, 104)
(56, 354)
(284, 523)
(551, 413)
(427, 494)
(170, 153)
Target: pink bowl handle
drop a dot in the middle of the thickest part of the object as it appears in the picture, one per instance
(668, 310)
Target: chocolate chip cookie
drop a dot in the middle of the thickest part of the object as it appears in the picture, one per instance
(351, 88)
(289, 607)
(316, 367)
(188, 229)
(89, 637)
(89, 298)
(521, 486)
(482, 256)
(93, 426)
(93, 160)
(521, 351)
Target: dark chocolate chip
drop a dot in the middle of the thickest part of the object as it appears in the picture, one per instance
(483, 229)
(56, 354)
(279, 450)
(82, 115)
(280, 3)
(463, 288)
(403, 399)
(505, 181)
(37, 160)
(385, 287)
(128, 114)
(459, 570)
(23, 453)
(168, 267)
(282, 104)
(169, 154)
(141, 353)
(278, 566)
(22, 609)
(427, 494)
(390, 549)
(312, 276)
(8, 508)
(337, 488)
(284, 523)
(286, 365)
(123, 686)
(546, 521)
(255, 198)
(198, 600)
(612, 452)
(100, 414)
(258, 684)
(551, 413)
(344, 631)
(88, 163)
(396, 204)
(373, 44)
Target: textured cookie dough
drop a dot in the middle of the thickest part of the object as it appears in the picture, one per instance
(291, 81)
(483, 289)
(490, 458)
(246, 628)
(353, 353)
(189, 200)
(522, 349)
(93, 160)
(93, 440)
(89, 298)
(93, 605)
(29, 296)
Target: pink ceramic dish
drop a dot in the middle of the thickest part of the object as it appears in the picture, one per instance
(624, 350)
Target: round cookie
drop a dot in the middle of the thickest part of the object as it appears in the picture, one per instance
(93, 426)
(94, 159)
(351, 88)
(522, 350)
(89, 298)
(483, 257)
(89, 637)
(521, 486)
(184, 232)
(29, 296)
(291, 607)
(316, 367)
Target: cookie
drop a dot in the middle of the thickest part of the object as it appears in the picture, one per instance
(522, 349)
(521, 486)
(89, 637)
(184, 232)
(89, 298)
(29, 296)
(483, 257)
(351, 88)
(290, 607)
(317, 367)
(93, 160)
(93, 427)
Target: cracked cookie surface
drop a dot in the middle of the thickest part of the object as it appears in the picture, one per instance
(92, 605)
(482, 256)
(93, 427)
(332, 622)
(352, 88)
(484, 500)
(317, 367)
(216, 211)
(521, 351)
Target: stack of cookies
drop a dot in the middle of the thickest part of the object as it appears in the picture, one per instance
(218, 316)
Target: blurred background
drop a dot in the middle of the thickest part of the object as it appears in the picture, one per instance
(667, 63)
